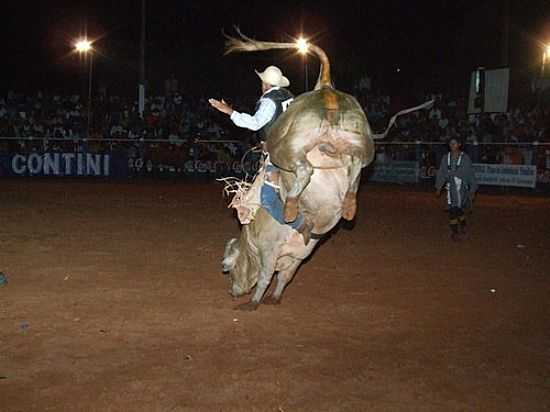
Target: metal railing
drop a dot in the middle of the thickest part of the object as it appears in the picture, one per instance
(193, 155)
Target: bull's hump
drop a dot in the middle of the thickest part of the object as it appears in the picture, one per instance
(324, 100)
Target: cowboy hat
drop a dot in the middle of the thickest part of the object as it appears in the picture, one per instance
(273, 76)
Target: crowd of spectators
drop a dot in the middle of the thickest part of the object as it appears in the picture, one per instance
(509, 138)
(61, 122)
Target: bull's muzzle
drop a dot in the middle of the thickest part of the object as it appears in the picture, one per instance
(236, 291)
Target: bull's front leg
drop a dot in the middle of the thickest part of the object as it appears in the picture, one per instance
(283, 277)
(263, 283)
(303, 172)
(349, 208)
(264, 279)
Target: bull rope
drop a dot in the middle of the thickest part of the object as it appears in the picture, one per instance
(236, 188)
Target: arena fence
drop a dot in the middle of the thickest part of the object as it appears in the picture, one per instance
(501, 164)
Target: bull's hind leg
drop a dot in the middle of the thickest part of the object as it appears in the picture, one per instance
(303, 172)
(349, 208)
(283, 277)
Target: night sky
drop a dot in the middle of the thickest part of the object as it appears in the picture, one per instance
(435, 44)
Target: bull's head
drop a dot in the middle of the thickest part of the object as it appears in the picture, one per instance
(241, 264)
(230, 255)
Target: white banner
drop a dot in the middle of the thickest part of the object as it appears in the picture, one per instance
(506, 175)
(491, 88)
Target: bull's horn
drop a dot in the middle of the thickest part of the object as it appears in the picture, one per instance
(243, 43)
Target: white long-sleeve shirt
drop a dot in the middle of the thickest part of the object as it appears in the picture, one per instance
(263, 115)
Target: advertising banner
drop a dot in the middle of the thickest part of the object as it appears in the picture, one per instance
(395, 172)
(506, 175)
(138, 166)
(63, 164)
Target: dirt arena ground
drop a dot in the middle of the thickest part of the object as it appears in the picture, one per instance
(115, 302)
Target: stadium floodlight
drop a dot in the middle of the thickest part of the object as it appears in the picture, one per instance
(302, 45)
(83, 46)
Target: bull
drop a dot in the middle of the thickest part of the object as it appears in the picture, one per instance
(267, 247)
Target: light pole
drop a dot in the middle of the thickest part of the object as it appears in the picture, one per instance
(84, 47)
(303, 48)
(141, 85)
(306, 74)
(545, 59)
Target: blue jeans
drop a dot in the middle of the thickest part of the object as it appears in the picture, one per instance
(271, 201)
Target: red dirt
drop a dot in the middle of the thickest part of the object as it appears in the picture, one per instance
(116, 302)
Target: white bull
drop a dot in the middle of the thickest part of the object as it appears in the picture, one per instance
(266, 247)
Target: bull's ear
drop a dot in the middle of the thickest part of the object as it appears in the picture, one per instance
(230, 255)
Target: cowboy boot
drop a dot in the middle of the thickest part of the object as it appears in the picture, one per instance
(455, 236)
(462, 224)
(291, 209)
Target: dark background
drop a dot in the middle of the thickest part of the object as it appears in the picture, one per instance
(435, 44)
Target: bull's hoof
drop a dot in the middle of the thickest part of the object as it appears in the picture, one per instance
(272, 300)
(247, 307)
(350, 206)
(291, 209)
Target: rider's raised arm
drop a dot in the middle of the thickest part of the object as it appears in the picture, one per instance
(263, 115)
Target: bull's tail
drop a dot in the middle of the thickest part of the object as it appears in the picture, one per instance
(243, 43)
(426, 105)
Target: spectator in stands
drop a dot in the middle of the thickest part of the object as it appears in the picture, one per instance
(511, 156)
